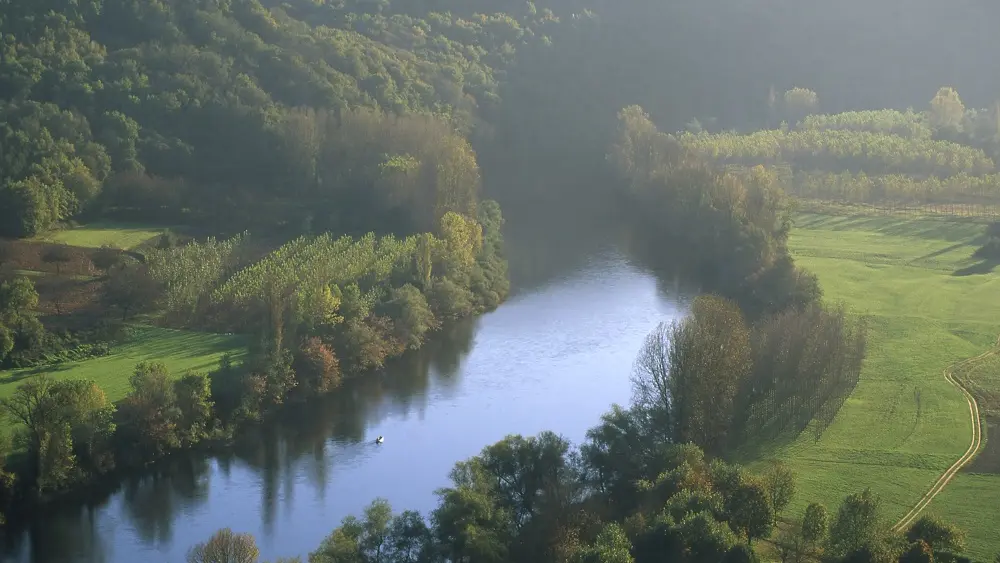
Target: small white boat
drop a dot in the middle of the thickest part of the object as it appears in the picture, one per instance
(379, 440)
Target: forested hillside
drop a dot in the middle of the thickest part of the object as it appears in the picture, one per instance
(173, 111)
(184, 110)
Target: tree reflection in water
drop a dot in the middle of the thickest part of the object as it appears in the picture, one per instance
(313, 437)
(152, 501)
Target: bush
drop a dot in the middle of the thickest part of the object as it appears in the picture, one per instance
(449, 300)
(105, 257)
(938, 534)
(365, 344)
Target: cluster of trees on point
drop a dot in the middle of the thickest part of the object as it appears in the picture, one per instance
(625, 495)
(738, 224)
(319, 308)
(764, 358)
(716, 381)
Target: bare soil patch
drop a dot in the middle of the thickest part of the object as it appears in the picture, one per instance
(27, 255)
(67, 300)
(988, 460)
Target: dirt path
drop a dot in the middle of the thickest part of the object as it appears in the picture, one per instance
(977, 440)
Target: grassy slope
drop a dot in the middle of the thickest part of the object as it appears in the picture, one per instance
(923, 317)
(179, 350)
(97, 234)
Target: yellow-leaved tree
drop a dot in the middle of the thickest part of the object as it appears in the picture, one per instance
(461, 240)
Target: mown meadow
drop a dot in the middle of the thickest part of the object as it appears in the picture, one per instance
(928, 305)
(180, 350)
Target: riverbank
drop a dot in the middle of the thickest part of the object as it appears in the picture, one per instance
(555, 355)
(311, 313)
(905, 424)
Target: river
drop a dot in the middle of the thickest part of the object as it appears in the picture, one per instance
(555, 356)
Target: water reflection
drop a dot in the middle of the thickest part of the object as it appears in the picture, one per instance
(76, 532)
(307, 436)
(314, 437)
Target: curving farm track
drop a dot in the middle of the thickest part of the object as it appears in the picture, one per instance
(977, 440)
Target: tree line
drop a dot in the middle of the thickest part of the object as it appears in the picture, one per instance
(863, 188)
(943, 154)
(738, 224)
(842, 149)
(907, 123)
(319, 309)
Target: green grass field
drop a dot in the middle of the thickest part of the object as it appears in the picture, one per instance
(98, 234)
(930, 304)
(181, 351)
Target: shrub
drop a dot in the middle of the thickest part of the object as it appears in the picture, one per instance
(316, 367)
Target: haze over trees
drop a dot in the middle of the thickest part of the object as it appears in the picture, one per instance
(337, 152)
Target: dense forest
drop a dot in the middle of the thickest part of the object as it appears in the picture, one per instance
(237, 113)
(325, 161)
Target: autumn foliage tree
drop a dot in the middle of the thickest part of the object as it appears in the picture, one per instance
(947, 109)
(316, 367)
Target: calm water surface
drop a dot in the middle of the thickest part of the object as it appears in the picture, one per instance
(553, 357)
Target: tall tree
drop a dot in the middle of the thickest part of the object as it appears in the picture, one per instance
(695, 382)
(611, 546)
(780, 484)
(857, 524)
(947, 109)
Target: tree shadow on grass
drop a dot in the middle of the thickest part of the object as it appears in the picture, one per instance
(940, 252)
(18, 375)
(951, 229)
(984, 267)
